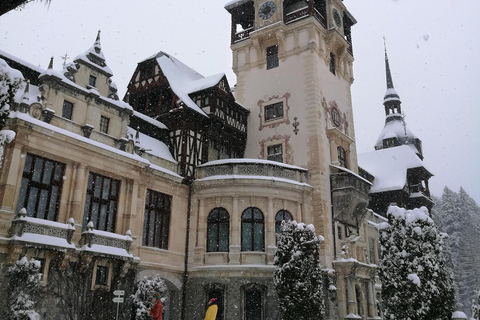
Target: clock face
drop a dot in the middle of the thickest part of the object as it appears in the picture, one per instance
(337, 18)
(266, 10)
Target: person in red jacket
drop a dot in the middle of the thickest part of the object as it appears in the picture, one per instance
(156, 312)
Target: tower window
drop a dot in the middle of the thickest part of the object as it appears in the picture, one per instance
(104, 122)
(273, 111)
(67, 110)
(253, 226)
(92, 80)
(272, 57)
(275, 152)
(342, 156)
(332, 63)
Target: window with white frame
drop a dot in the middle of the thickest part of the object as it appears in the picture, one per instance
(273, 111)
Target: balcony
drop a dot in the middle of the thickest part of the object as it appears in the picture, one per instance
(253, 168)
(242, 35)
(41, 233)
(106, 244)
(349, 196)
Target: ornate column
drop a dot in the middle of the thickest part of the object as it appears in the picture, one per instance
(351, 301)
(77, 194)
(235, 237)
(270, 238)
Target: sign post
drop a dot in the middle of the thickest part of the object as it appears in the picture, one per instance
(118, 299)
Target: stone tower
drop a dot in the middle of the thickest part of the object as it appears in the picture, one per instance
(293, 61)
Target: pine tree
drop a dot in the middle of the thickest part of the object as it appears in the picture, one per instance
(416, 284)
(297, 275)
(142, 299)
(459, 216)
(23, 285)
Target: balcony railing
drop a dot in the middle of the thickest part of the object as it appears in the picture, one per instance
(242, 35)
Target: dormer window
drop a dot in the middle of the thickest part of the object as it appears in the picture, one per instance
(92, 80)
(272, 57)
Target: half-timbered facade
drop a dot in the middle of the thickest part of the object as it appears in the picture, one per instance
(204, 120)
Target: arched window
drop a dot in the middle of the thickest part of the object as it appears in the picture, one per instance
(253, 304)
(281, 216)
(253, 230)
(218, 230)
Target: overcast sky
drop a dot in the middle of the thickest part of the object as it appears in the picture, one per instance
(433, 48)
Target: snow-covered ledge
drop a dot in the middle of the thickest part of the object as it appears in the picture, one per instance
(106, 243)
(42, 233)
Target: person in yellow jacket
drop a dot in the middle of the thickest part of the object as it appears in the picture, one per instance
(212, 309)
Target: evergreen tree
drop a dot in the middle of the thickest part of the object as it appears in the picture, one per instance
(23, 285)
(142, 299)
(10, 82)
(416, 283)
(297, 275)
(459, 216)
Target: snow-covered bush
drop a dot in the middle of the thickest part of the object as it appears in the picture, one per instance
(416, 284)
(10, 81)
(23, 284)
(297, 275)
(142, 299)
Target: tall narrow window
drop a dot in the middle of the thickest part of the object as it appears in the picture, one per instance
(282, 215)
(342, 157)
(332, 63)
(101, 202)
(253, 230)
(67, 110)
(104, 122)
(101, 276)
(275, 152)
(253, 305)
(272, 57)
(92, 81)
(156, 225)
(41, 186)
(273, 111)
(218, 230)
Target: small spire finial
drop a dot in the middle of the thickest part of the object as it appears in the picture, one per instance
(387, 67)
(50, 65)
(97, 45)
(64, 58)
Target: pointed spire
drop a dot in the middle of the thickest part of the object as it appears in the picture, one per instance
(387, 68)
(391, 95)
(50, 65)
(97, 45)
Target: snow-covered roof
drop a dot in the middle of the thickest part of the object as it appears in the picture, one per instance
(351, 172)
(235, 3)
(394, 128)
(145, 118)
(184, 80)
(94, 57)
(88, 141)
(107, 250)
(389, 167)
(153, 146)
(23, 62)
(61, 77)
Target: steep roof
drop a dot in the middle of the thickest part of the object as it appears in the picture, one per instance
(94, 57)
(389, 167)
(184, 80)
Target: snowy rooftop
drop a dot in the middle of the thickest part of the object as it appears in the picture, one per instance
(393, 129)
(153, 146)
(184, 80)
(389, 167)
(235, 3)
